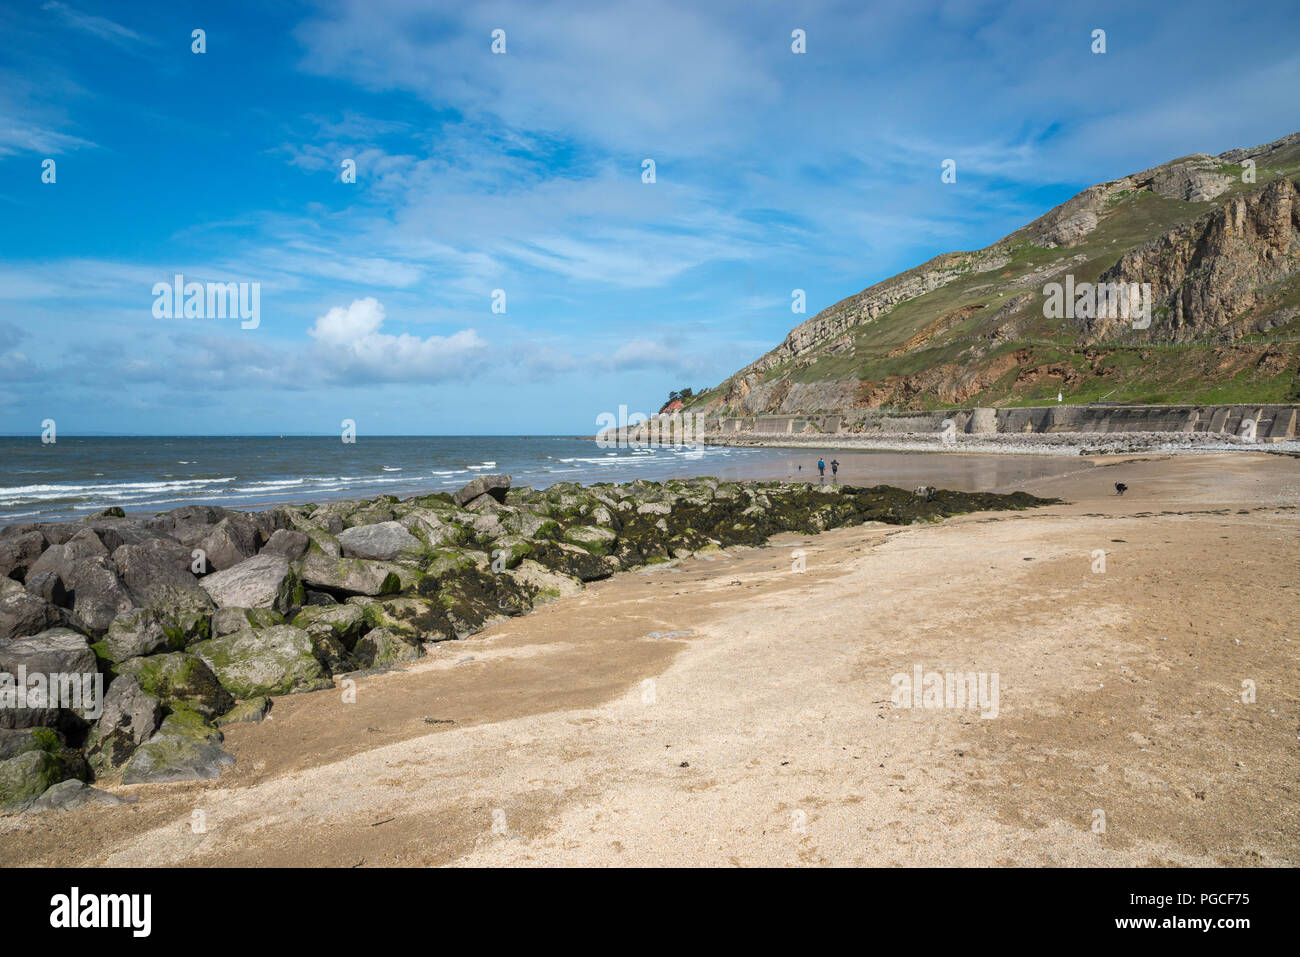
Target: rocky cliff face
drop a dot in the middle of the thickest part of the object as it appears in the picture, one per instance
(1216, 237)
(1210, 276)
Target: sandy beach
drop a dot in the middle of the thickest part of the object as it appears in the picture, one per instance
(730, 710)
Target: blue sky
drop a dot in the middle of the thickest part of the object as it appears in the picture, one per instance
(523, 172)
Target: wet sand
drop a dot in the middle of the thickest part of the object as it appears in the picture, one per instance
(758, 729)
(967, 472)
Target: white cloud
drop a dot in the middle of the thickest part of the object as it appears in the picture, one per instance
(351, 342)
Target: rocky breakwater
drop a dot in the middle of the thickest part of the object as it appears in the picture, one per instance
(198, 617)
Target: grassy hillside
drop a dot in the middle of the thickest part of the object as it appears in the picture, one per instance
(981, 337)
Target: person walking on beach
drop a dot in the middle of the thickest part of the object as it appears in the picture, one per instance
(835, 469)
(821, 469)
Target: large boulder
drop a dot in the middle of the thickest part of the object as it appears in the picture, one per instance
(22, 613)
(115, 531)
(464, 601)
(157, 574)
(54, 651)
(373, 514)
(149, 631)
(231, 541)
(495, 485)
(386, 541)
(19, 550)
(355, 576)
(98, 594)
(186, 748)
(227, 621)
(133, 635)
(131, 716)
(48, 587)
(383, 646)
(269, 661)
(344, 623)
(268, 522)
(431, 528)
(288, 543)
(66, 660)
(32, 772)
(508, 551)
(263, 581)
(549, 584)
(60, 557)
(180, 679)
(597, 540)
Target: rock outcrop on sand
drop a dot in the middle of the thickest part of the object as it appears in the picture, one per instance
(295, 596)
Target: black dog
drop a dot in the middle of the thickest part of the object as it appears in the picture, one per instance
(1120, 488)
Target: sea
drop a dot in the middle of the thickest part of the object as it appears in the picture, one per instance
(77, 475)
(74, 476)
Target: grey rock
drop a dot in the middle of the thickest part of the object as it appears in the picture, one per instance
(131, 716)
(386, 541)
(136, 633)
(231, 540)
(263, 581)
(59, 558)
(19, 551)
(57, 533)
(355, 576)
(31, 773)
(251, 711)
(431, 528)
(157, 573)
(116, 532)
(22, 613)
(186, 748)
(287, 543)
(549, 584)
(98, 594)
(180, 680)
(48, 587)
(1188, 183)
(73, 794)
(55, 651)
(270, 661)
(346, 623)
(384, 646)
(489, 525)
(495, 485)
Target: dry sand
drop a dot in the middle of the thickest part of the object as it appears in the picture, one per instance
(759, 729)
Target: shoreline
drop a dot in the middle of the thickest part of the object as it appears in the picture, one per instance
(1111, 698)
(765, 468)
(201, 617)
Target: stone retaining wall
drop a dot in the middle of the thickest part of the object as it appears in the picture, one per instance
(1272, 422)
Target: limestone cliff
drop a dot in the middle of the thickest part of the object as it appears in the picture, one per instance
(1216, 237)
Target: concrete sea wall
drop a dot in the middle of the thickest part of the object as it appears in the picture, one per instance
(1271, 423)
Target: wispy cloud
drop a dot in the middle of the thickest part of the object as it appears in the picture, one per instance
(100, 27)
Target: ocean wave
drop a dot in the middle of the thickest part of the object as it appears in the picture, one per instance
(32, 494)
